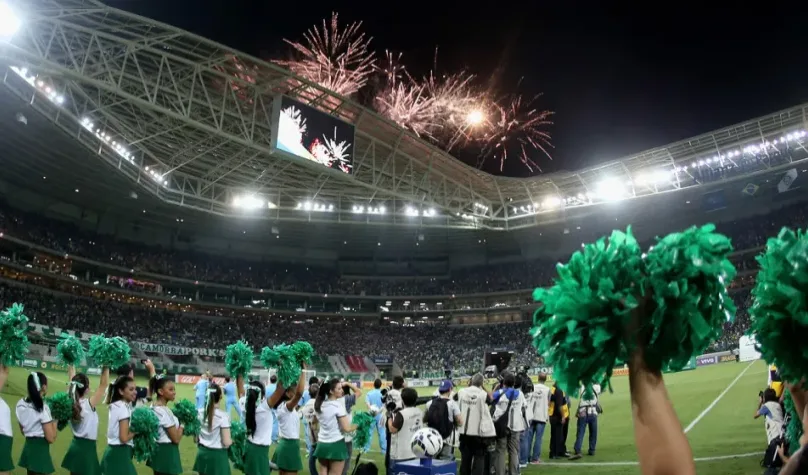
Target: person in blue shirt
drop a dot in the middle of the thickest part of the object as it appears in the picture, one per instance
(306, 398)
(273, 383)
(375, 403)
(201, 388)
(231, 397)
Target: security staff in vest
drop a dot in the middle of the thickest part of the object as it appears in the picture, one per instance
(478, 431)
(558, 412)
(392, 402)
(402, 426)
(508, 403)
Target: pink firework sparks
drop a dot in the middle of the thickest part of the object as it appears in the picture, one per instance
(338, 60)
(517, 128)
(404, 101)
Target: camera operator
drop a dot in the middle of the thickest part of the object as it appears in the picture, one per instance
(402, 426)
(509, 422)
(443, 415)
(478, 427)
(769, 408)
(525, 384)
(588, 411)
(392, 402)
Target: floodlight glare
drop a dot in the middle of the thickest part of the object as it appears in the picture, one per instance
(10, 23)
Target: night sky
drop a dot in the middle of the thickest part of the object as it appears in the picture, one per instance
(621, 78)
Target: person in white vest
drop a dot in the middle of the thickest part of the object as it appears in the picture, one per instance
(478, 427)
(588, 410)
(769, 408)
(508, 403)
(537, 416)
(402, 426)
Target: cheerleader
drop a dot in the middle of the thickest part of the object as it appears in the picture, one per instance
(214, 437)
(6, 434)
(82, 458)
(166, 459)
(117, 458)
(259, 419)
(287, 453)
(37, 426)
(332, 418)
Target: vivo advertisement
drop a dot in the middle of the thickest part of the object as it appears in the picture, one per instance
(313, 135)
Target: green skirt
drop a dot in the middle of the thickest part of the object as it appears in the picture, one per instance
(82, 457)
(166, 459)
(211, 461)
(287, 455)
(331, 450)
(117, 460)
(256, 459)
(36, 456)
(6, 464)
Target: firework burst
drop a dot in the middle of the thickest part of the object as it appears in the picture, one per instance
(338, 60)
(516, 128)
(404, 101)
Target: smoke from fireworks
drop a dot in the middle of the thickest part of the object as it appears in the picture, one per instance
(517, 129)
(338, 60)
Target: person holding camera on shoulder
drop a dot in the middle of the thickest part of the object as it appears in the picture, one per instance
(478, 427)
(402, 425)
(588, 411)
(443, 415)
(509, 423)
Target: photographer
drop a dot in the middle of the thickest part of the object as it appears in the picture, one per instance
(588, 410)
(128, 369)
(443, 415)
(537, 402)
(351, 393)
(509, 422)
(478, 427)
(402, 426)
(392, 402)
(769, 408)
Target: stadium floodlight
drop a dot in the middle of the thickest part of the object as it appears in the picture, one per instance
(10, 23)
(248, 202)
(611, 189)
(551, 202)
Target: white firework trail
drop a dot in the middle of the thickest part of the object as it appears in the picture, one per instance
(338, 151)
(338, 60)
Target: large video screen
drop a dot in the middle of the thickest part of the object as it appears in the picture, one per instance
(314, 135)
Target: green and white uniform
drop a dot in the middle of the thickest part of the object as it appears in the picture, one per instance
(166, 459)
(287, 453)
(211, 459)
(330, 441)
(256, 457)
(82, 458)
(6, 438)
(117, 458)
(36, 452)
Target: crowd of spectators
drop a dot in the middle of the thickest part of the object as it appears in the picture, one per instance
(413, 346)
(67, 238)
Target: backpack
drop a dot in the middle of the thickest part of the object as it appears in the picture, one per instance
(437, 417)
(502, 425)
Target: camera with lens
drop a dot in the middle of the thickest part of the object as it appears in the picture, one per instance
(389, 400)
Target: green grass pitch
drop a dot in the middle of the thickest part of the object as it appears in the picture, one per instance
(727, 429)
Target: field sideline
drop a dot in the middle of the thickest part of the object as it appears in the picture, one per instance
(726, 429)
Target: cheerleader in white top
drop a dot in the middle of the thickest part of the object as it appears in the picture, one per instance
(6, 434)
(37, 425)
(214, 437)
(259, 420)
(82, 458)
(287, 454)
(117, 458)
(166, 459)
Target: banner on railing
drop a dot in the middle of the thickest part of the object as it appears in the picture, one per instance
(193, 379)
(382, 359)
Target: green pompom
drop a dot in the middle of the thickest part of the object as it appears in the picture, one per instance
(579, 328)
(13, 335)
(687, 277)
(364, 426)
(145, 424)
(238, 359)
(270, 358)
(109, 352)
(794, 427)
(69, 350)
(302, 351)
(779, 313)
(61, 407)
(237, 451)
(188, 416)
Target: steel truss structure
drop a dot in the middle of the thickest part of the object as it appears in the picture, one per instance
(196, 114)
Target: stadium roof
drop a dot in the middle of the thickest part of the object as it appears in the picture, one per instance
(188, 120)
